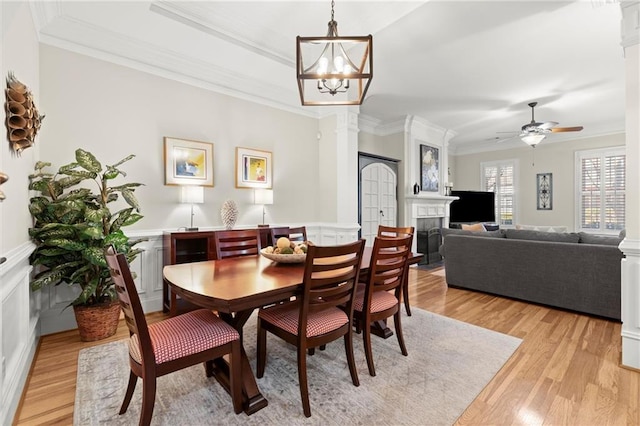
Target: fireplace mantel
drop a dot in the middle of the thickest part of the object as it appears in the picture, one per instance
(424, 206)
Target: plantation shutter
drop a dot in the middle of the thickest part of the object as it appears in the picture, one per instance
(498, 177)
(601, 203)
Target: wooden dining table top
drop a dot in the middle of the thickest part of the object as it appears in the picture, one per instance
(236, 284)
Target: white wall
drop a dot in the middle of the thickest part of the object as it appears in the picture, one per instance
(114, 111)
(18, 307)
(548, 157)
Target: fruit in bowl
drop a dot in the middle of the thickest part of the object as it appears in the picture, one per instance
(286, 251)
(286, 246)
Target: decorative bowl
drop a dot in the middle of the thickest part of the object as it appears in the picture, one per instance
(284, 258)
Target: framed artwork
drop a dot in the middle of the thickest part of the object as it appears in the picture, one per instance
(429, 168)
(544, 185)
(188, 162)
(253, 168)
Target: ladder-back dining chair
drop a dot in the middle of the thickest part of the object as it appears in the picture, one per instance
(321, 314)
(392, 231)
(236, 243)
(171, 344)
(379, 297)
(298, 233)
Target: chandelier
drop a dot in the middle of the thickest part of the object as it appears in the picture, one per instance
(340, 71)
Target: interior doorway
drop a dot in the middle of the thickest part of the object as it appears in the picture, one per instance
(377, 194)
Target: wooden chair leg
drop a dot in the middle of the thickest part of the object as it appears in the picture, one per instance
(366, 337)
(235, 382)
(405, 292)
(302, 380)
(261, 350)
(311, 351)
(133, 379)
(398, 326)
(148, 400)
(323, 347)
(351, 361)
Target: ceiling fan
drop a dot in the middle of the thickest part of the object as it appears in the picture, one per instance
(533, 133)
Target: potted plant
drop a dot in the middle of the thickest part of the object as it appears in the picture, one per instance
(72, 224)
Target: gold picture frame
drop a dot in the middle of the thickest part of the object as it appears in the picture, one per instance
(253, 168)
(188, 162)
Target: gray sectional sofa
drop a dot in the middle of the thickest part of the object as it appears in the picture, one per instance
(575, 271)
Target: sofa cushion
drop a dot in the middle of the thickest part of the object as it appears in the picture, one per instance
(544, 228)
(587, 238)
(558, 237)
(494, 234)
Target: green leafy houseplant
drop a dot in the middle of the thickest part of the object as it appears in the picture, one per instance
(73, 224)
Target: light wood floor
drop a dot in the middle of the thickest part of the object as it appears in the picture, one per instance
(565, 372)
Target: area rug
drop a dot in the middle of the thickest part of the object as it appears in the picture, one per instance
(449, 363)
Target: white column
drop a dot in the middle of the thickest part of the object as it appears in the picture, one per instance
(346, 151)
(630, 246)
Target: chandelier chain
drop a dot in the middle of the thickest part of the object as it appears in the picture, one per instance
(332, 4)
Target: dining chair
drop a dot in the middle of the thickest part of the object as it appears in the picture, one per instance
(379, 297)
(392, 231)
(321, 314)
(234, 243)
(171, 344)
(298, 233)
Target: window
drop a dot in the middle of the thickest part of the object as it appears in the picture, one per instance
(499, 177)
(600, 201)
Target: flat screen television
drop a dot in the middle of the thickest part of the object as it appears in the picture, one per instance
(473, 206)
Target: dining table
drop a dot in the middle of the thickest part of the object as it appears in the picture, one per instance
(235, 287)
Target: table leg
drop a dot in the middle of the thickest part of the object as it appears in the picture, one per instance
(252, 399)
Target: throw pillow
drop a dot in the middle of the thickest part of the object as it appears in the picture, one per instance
(475, 227)
(543, 228)
(558, 237)
(587, 238)
(491, 226)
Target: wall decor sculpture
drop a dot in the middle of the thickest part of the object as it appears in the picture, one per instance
(22, 117)
(544, 183)
(3, 179)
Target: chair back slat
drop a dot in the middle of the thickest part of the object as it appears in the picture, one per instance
(330, 276)
(388, 263)
(297, 234)
(129, 301)
(237, 243)
(394, 231)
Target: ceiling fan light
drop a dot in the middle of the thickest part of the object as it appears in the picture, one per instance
(532, 139)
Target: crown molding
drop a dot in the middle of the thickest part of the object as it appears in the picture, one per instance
(113, 47)
(218, 27)
(44, 12)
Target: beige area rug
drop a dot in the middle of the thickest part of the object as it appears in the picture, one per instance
(449, 363)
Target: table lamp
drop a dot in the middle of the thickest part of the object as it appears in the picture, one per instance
(192, 195)
(264, 197)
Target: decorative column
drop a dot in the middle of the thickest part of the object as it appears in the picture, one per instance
(630, 246)
(347, 166)
(338, 156)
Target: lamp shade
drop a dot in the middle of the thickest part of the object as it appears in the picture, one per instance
(263, 196)
(192, 194)
(533, 139)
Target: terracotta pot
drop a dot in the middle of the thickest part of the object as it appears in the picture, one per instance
(97, 322)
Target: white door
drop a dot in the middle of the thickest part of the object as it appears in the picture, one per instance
(378, 197)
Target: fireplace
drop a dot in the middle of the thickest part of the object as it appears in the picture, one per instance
(429, 239)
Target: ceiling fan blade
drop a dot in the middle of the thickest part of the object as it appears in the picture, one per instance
(566, 129)
(507, 139)
(547, 125)
(512, 132)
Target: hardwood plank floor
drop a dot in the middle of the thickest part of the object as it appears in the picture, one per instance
(565, 372)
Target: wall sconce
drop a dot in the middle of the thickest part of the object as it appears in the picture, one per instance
(192, 195)
(264, 197)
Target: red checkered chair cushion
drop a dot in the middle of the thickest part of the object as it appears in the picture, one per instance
(380, 301)
(184, 335)
(286, 315)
